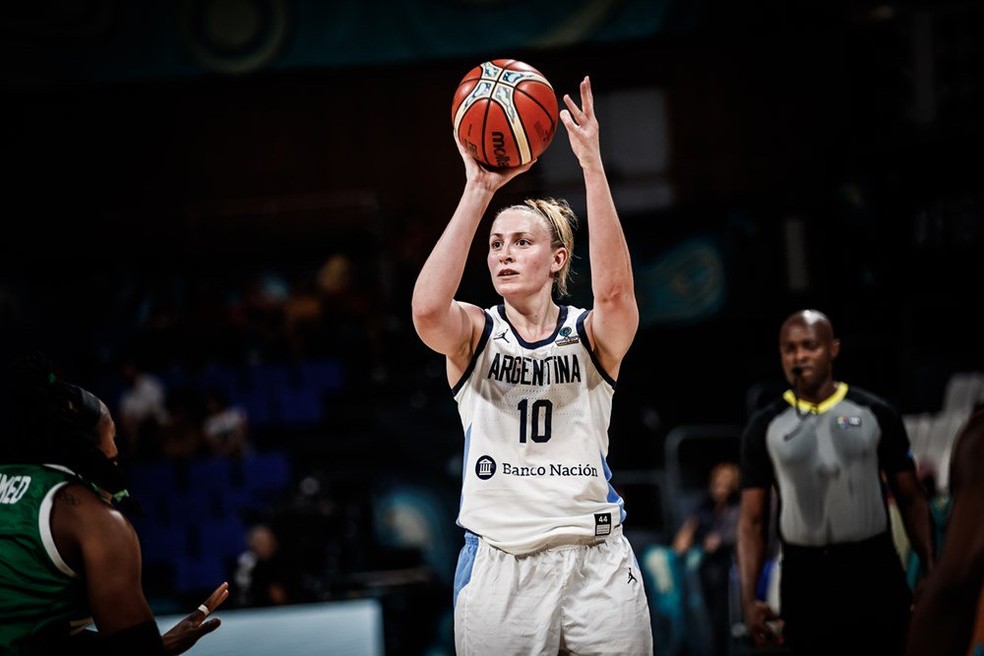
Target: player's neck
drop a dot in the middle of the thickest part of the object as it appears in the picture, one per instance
(533, 321)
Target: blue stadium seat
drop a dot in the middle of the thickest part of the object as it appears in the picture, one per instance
(224, 538)
(300, 406)
(325, 376)
(224, 379)
(199, 573)
(260, 395)
(266, 475)
(161, 543)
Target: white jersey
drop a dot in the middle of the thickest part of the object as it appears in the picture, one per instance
(536, 419)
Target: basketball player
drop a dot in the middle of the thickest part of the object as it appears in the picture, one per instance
(545, 567)
(948, 619)
(825, 446)
(67, 556)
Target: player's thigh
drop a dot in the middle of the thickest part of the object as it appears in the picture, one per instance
(509, 605)
(605, 608)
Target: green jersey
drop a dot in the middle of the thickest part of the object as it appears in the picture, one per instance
(39, 592)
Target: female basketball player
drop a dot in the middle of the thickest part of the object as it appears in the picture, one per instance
(68, 557)
(545, 567)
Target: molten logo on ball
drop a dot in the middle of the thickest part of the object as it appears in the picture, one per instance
(504, 113)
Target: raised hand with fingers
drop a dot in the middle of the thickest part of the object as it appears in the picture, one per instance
(190, 630)
(582, 127)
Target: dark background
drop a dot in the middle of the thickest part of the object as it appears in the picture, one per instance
(152, 170)
(862, 120)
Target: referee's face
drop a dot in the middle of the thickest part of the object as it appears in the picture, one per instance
(808, 351)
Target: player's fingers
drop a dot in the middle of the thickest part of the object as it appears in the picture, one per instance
(218, 595)
(221, 592)
(587, 98)
(565, 118)
(574, 110)
(209, 626)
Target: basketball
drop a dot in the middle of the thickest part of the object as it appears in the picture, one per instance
(504, 113)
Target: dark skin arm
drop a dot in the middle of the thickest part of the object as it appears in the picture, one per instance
(98, 542)
(751, 561)
(943, 619)
(914, 509)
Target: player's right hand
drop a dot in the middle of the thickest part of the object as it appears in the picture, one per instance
(487, 178)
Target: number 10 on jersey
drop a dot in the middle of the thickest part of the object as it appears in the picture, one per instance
(535, 420)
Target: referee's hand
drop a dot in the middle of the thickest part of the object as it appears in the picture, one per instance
(763, 625)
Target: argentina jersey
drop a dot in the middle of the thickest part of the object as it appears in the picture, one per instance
(535, 418)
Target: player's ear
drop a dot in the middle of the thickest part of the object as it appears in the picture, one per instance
(835, 347)
(560, 258)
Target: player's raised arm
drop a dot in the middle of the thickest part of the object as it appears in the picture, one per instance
(615, 316)
(444, 324)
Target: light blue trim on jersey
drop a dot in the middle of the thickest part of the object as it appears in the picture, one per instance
(464, 468)
(466, 562)
(613, 496)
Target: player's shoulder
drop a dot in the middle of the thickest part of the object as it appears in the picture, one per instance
(81, 502)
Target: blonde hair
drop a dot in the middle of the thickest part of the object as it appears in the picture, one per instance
(560, 221)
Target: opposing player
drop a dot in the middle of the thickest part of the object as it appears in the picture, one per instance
(68, 558)
(948, 618)
(545, 567)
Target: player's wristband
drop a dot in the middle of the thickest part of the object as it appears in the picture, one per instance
(144, 639)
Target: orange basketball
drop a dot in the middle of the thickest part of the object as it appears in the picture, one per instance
(504, 113)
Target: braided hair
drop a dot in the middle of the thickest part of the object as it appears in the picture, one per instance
(51, 421)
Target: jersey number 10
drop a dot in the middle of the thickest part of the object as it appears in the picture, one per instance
(535, 420)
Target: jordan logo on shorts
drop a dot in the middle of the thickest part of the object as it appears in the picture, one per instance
(603, 524)
(632, 578)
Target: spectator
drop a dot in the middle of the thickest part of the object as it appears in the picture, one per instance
(257, 313)
(225, 426)
(142, 410)
(181, 436)
(264, 577)
(713, 528)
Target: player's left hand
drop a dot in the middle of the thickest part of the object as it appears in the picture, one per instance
(582, 127)
(190, 630)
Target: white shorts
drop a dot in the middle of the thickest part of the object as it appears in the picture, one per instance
(583, 599)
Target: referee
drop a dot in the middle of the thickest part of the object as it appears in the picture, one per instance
(828, 449)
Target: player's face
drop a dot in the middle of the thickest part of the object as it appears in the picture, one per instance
(811, 349)
(520, 257)
(106, 436)
(105, 431)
